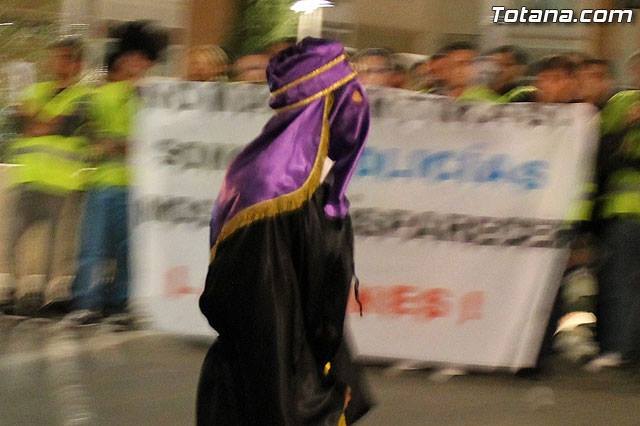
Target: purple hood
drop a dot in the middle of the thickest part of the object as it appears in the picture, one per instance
(321, 111)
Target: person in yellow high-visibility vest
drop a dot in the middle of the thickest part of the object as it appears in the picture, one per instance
(463, 79)
(49, 158)
(101, 287)
(618, 305)
(554, 82)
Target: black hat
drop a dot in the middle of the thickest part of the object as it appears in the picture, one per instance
(140, 36)
(111, 56)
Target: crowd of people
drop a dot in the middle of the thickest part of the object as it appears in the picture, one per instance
(72, 140)
(69, 150)
(458, 70)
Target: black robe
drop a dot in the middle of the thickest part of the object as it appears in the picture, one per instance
(277, 293)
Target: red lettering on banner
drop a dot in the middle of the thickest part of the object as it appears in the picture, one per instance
(471, 306)
(410, 301)
(436, 303)
(400, 297)
(177, 282)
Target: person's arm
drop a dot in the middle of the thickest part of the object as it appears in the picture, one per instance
(621, 113)
(103, 145)
(24, 118)
(620, 116)
(108, 148)
(115, 147)
(25, 115)
(349, 123)
(35, 127)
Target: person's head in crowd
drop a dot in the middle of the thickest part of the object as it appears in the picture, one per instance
(595, 81)
(280, 45)
(439, 68)
(485, 71)
(633, 67)
(205, 63)
(251, 68)
(577, 57)
(375, 67)
(430, 75)
(115, 70)
(511, 63)
(140, 45)
(399, 77)
(66, 59)
(460, 57)
(420, 75)
(555, 79)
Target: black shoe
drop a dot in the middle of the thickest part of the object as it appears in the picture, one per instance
(7, 307)
(531, 373)
(84, 317)
(29, 304)
(122, 321)
(57, 309)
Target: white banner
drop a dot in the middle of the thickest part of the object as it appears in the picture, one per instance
(457, 211)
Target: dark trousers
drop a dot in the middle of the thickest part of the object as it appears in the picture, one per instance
(618, 306)
(546, 348)
(33, 206)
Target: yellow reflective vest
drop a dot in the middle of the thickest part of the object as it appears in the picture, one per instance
(478, 94)
(622, 188)
(113, 110)
(52, 163)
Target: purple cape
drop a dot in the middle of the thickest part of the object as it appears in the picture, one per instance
(321, 111)
(282, 256)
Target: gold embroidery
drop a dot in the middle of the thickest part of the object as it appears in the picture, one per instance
(347, 399)
(356, 97)
(342, 421)
(309, 76)
(318, 95)
(286, 202)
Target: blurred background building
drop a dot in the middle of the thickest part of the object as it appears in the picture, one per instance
(246, 26)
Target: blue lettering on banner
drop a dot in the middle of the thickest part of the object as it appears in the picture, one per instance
(449, 165)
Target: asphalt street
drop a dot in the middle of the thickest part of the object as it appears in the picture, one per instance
(51, 374)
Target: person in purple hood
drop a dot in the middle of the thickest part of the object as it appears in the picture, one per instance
(282, 255)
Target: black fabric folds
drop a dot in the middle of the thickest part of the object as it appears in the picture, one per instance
(276, 293)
